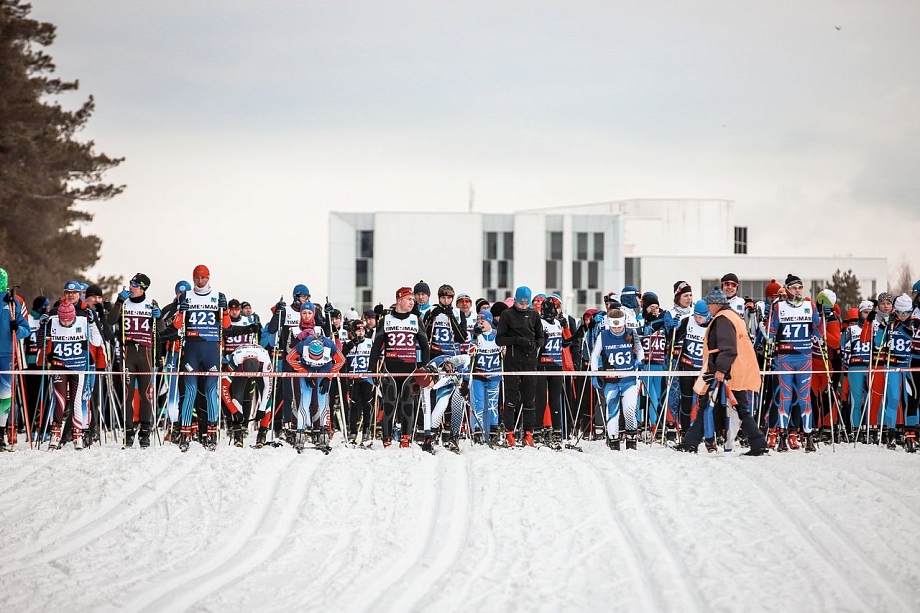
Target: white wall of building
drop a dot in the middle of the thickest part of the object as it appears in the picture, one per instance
(342, 247)
(530, 251)
(435, 247)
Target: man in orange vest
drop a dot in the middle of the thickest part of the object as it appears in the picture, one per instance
(729, 360)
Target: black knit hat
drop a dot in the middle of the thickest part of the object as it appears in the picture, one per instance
(498, 308)
(421, 288)
(93, 290)
(142, 280)
(730, 277)
(792, 279)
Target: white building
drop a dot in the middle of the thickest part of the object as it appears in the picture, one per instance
(580, 252)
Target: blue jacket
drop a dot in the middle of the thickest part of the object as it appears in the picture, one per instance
(22, 321)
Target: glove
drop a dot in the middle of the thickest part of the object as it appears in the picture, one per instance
(599, 317)
(44, 319)
(183, 306)
(378, 310)
(563, 321)
(8, 298)
(465, 388)
(328, 308)
(431, 368)
(596, 382)
(155, 312)
(477, 329)
(123, 295)
(280, 306)
(222, 303)
(13, 326)
(255, 328)
(324, 386)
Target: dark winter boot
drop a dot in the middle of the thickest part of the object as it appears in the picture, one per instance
(129, 437)
(614, 443)
(260, 437)
(810, 443)
(757, 451)
(782, 444)
(143, 437)
(300, 440)
(711, 446)
(237, 434)
(631, 442)
(426, 444)
(555, 440)
(452, 444)
(174, 433)
(185, 439)
(891, 440)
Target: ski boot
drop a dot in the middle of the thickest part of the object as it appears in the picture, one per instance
(452, 444)
(3, 446)
(211, 438)
(793, 439)
(509, 438)
(810, 443)
(613, 443)
(261, 436)
(77, 439)
(631, 441)
(300, 440)
(143, 438)
(758, 451)
(555, 440)
(129, 438)
(426, 444)
(771, 438)
(237, 433)
(910, 441)
(404, 441)
(711, 445)
(387, 442)
(174, 434)
(891, 441)
(185, 439)
(782, 443)
(528, 438)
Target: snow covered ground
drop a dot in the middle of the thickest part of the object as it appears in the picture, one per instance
(489, 530)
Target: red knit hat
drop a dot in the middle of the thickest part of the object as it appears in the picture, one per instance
(402, 292)
(771, 290)
(66, 310)
(201, 271)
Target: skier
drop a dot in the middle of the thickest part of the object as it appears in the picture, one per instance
(238, 391)
(690, 359)
(618, 350)
(487, 370)
(361, 392)
(556, 338)
(421, 292)
(69, 344)
(521, 333)
(314, 354)
(793, 323)
(654, 345)
(135, 316)
(285, 326)
(893, 340)
(682, 309)
(203, 316)
(445, 326)
(729, 283)
(440, 382)
(403, 345)
(14, 324)
(855, 358)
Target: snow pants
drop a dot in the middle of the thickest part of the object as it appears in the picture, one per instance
(856, 380)
(484, 401)
(309, 387)
(519, 392)
(621, 393)
(654, 388)
(200, 356)
(794, 388)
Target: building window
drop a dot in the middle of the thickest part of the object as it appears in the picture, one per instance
(366, 244)
(741, 242)
(633, 272)
(497, 268)
(554, 262)
(587, 269)
(366, 302)
(555, 245)
(362, 273)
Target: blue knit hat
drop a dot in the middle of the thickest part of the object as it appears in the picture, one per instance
(701, 308)
(716, 296)
(485, 315)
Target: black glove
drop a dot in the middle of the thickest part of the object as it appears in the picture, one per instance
(378, 310)
(431, 368)
(477, 329)
(8, 298)
(324, 386)
(44, 319)
(464, 388)
(563, 321)
(13, 325)
(328, 308)
(255, 328)
(280, 306)
(222, 302)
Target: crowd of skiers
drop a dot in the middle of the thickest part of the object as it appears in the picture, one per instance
(431, 369)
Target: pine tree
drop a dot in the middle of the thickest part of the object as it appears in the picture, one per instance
(44, 170)
(846, 286)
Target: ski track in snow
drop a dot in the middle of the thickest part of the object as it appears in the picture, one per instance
(511, 530)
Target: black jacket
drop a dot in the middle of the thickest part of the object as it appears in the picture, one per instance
(521, 333)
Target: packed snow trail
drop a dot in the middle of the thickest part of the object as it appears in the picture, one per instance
(107, 529)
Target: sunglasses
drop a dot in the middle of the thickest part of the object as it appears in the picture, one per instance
(134, 284)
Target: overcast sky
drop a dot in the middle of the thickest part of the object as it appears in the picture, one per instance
(244, 123)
